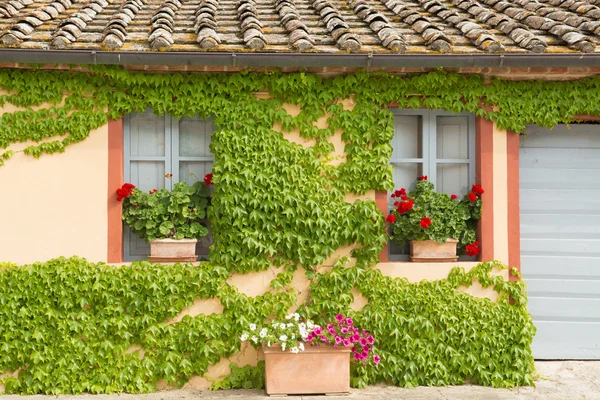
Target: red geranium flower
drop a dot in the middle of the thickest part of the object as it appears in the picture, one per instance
(405, 206)
(477, 189)
(422, 178)
(153, 191)
(391, 218)
(453, 197)
(425, 222)
(396, 203)
(472, 197)
(472, 249)
(399, 193)
(125, 191)
(168, 175)
(404, 197)
(208, 179)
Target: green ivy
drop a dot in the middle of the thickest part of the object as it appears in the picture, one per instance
(67, 325)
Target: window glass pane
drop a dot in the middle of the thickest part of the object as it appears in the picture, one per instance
(194, 137)
(405, 175)
(452, 138)
(453, 178)
(147, 134)
(148, 175)
(192, 171)
(408, 137)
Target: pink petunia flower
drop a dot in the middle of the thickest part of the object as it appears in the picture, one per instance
(376, 359)
(346, 343)
(339, 317)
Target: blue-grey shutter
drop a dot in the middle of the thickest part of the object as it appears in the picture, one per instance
(159, 145)
(147, 157)
(454, 154)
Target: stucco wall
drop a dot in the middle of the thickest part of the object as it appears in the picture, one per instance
(55, 205)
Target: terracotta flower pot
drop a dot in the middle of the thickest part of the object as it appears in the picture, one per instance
(173, 250)
(316, 370)
(433, 251)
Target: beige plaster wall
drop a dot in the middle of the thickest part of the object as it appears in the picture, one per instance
(55, 205)
(65, 197)
(500, 162)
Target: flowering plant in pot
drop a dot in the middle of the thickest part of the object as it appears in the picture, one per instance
(299, 353)
(424, 217)
(171, 221)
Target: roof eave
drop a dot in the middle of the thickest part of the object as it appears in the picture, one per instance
(87, 57)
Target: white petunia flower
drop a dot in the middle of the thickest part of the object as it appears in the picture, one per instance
(282, 346)
(254, 339)
(244, 337)
(302, 326)
(304, 334)
(252, 327)
(283, 338)
(309, 325)
(296, 317)
(269, 343)
(290, 325)
(293, 336)
(263, 332)
(294, 350)
(289, 316)
(301, 346)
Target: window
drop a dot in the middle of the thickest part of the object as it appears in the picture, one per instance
(156, 145)
(438, 144)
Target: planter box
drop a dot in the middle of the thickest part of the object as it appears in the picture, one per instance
(173, 250)
(433, 251)
(316, 370)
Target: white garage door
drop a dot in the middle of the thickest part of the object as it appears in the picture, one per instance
(560, 238)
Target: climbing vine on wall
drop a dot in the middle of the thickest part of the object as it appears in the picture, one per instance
(68, 326)
(69, 323)
(299, 215)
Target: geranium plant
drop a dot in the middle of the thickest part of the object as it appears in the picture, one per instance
(294, 334)
(164, 214)
(424, 214)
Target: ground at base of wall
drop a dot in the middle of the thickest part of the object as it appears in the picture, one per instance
(555, 380)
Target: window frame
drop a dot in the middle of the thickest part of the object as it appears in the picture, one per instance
(429, 160)
(170, 160)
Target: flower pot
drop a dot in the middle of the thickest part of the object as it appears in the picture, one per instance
(433, 251)
(173, 250)
(316, 370)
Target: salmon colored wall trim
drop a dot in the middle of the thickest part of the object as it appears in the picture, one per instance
(485, 177)
(115, 180)
(381, 198)
(514, 211)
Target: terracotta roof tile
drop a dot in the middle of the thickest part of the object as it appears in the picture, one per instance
(323, 26)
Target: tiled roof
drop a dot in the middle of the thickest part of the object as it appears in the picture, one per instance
(322, 26)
